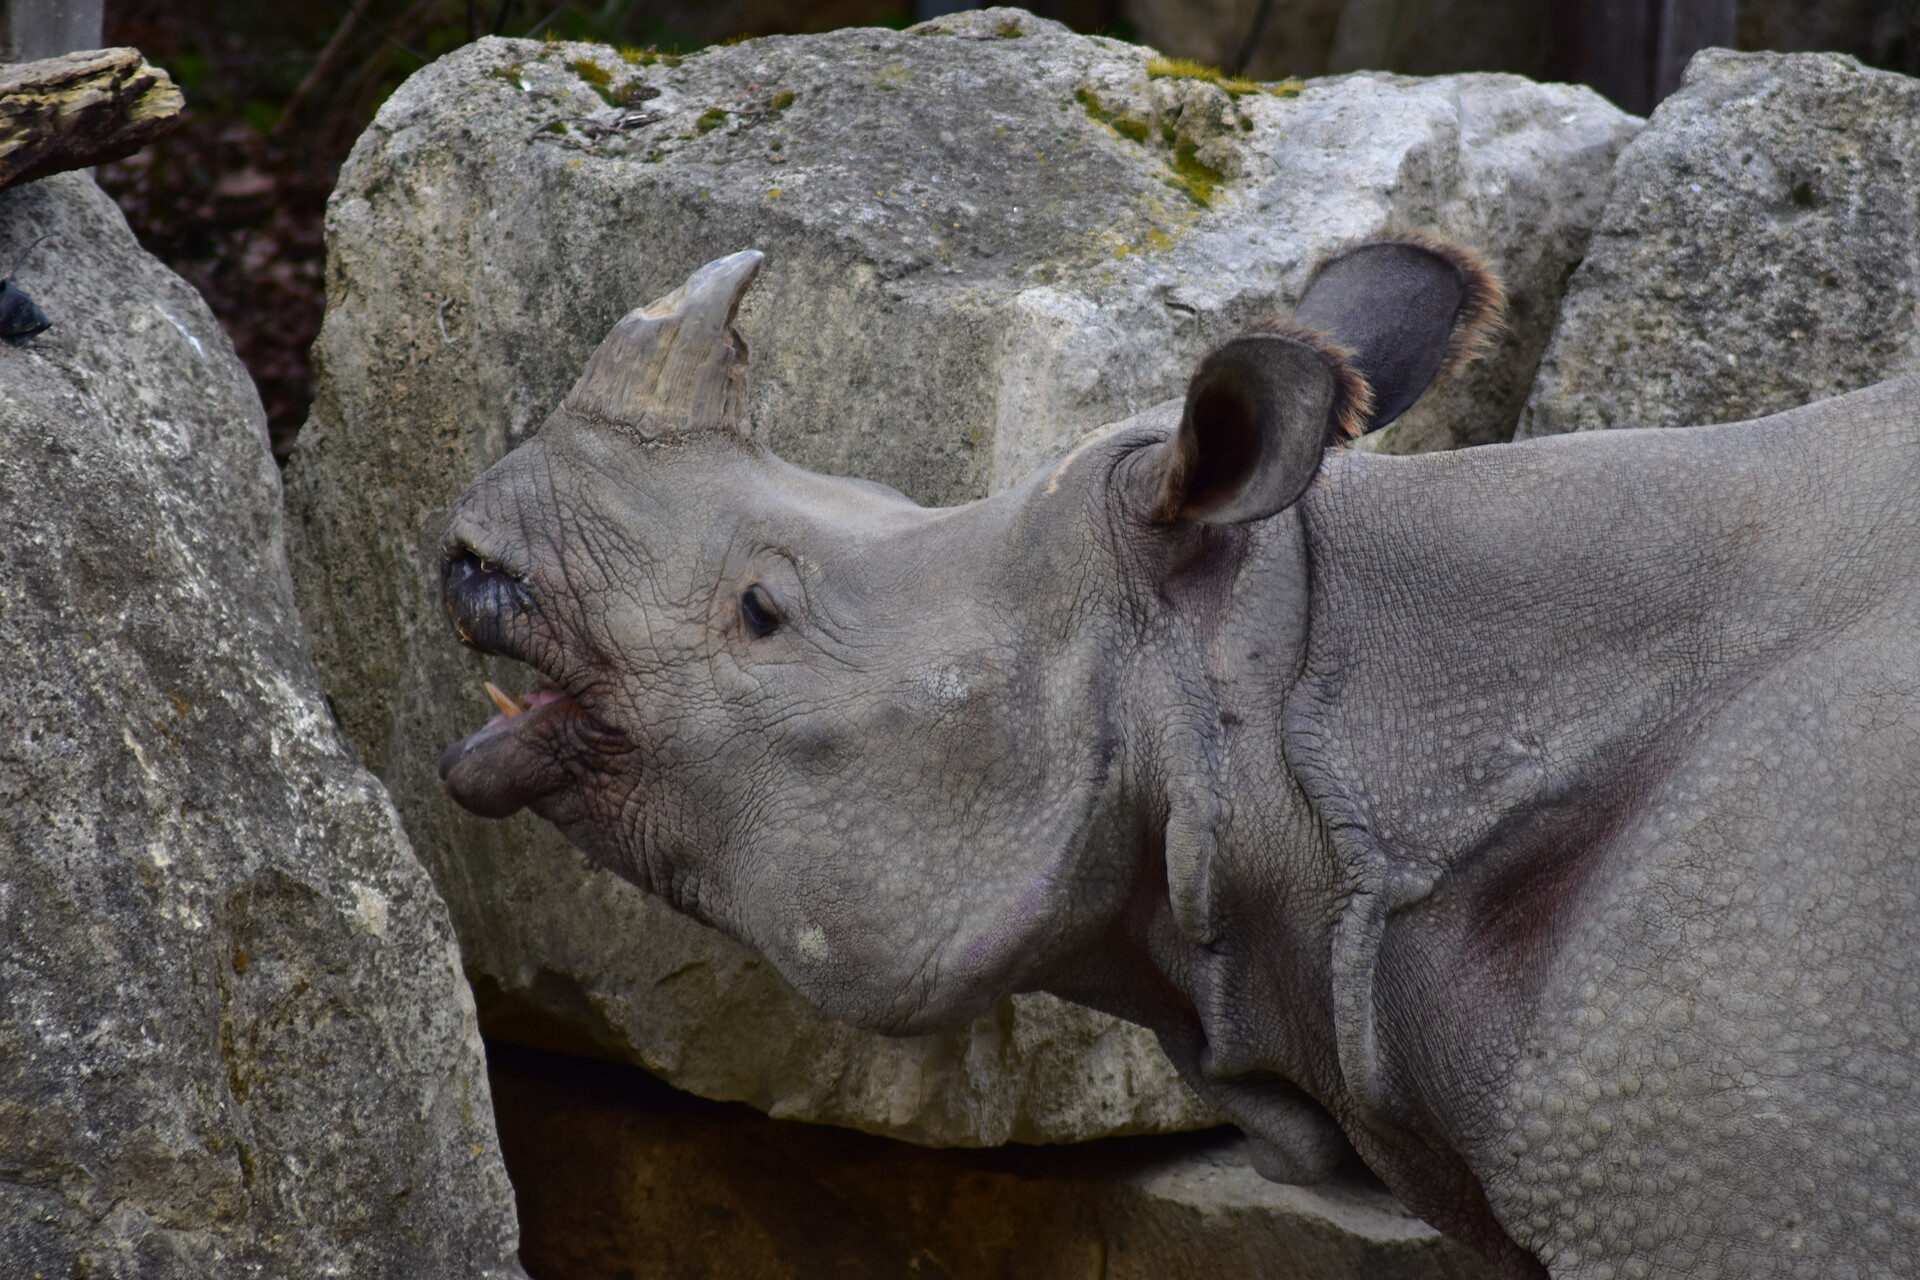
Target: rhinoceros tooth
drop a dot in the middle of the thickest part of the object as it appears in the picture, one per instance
(674, 367)
(509, 705)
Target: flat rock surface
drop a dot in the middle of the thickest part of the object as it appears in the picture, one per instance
(233, 1036)
(986, 237)
(1761, 250)
(1205, 1213)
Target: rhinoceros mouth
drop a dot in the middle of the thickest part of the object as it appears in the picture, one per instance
(516, 759)
(536, 745)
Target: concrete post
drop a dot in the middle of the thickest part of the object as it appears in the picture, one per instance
(31, 29)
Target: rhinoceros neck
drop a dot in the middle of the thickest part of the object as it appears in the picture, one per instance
(1506, 647)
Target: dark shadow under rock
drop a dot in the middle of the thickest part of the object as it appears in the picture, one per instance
(618, 1176)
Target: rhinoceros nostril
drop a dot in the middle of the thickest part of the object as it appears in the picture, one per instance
(481, 597)
(460, 557)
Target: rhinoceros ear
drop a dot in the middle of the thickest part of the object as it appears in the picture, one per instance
(1375, 326)
(1404, 310)
(1261, 409)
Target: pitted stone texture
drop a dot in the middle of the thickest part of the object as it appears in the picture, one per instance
(967, 271)
(233, 1035)
(1761, 250)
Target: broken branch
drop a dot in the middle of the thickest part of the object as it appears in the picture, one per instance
(81, 109)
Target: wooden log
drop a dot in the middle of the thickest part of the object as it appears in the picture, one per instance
(80, 109)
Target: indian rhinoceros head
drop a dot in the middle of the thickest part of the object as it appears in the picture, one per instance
(917, 758)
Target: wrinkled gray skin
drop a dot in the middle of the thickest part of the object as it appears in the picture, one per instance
(1536, 821)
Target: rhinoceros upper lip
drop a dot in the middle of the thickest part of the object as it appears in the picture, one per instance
(514, 759)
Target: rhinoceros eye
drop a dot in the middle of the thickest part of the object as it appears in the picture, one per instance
(757, 611)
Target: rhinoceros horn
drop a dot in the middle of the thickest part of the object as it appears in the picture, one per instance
(674, 367)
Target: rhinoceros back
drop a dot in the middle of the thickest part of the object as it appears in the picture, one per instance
(1719, 1079)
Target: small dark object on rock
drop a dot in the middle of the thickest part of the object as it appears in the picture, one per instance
(20, 317)
(625, 122)
(598, 130)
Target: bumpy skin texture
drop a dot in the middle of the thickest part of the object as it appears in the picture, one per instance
(1646, 912)
(1531, 821)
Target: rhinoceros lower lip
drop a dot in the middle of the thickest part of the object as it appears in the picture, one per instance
(515, 759)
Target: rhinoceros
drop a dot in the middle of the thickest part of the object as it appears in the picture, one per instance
(1536, 822)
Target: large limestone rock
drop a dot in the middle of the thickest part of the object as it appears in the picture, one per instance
(233, 1035)
(619, 1175)
(987, 236)
(1761, 250)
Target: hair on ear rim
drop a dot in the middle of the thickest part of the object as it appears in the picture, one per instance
(1482, 317)
(1352, 395)
(1483, 308)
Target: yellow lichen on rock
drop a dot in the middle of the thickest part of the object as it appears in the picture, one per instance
(81, 109)
(1234, 86)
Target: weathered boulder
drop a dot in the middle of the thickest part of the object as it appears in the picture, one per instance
(234, 1039)
(619, 1175)
(987, 236)
(1761, 250)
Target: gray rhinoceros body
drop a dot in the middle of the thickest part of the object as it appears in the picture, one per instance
(1537, 821)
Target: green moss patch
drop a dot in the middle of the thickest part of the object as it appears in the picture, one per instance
(1234, 86)
(1190, 175)
(592, 72)
(710, 119)
(1122, 123)
(635, 92)
(634, 56)
(1193, 176)
(599, 77)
